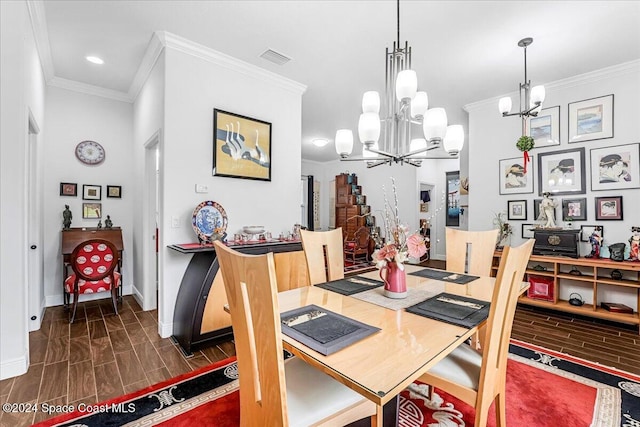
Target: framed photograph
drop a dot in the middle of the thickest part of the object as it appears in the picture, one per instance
(591, 119)
(545, 127)
(517, 209)
(587, 230)
(453, 199)
(609, 208)
(241, 146)
(91, 192)
(69, 189)
(561, 172)
(114, 191)
(424, 207)
(513, 178)
(536, 210)
(574, 209)
(92, 210)
(527, 231)
(617, 167)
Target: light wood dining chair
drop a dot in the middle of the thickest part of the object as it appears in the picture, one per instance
(323, 251)
(478, 378)
(274, 392)
(471, 249)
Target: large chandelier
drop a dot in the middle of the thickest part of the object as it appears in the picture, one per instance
(406, 109)
(531, 100)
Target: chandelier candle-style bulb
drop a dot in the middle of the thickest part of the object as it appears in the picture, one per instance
(537, 95)
(419, 105)
(453, 139)
(344, 142)
(435, 124)
(504, 105)
(406, 85)
(369, 128)
(370, 155)
(371, 102)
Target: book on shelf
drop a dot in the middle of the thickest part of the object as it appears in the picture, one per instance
(616, 307)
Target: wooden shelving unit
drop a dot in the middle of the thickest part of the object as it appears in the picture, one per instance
(595, 273)
(351, 205)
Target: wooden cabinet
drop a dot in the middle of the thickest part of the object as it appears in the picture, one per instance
(351, 205)
(594, 280)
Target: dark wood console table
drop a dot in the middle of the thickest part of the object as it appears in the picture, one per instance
(199, 319)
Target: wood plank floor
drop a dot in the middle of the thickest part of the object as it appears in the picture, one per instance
(101, 356)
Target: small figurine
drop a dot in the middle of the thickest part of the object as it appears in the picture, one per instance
(67, 217)
(634, 244)
(107, 222)
(596, 242)
(547, 211)
(99, 224)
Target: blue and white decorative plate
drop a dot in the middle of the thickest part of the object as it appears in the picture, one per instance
(209, 218)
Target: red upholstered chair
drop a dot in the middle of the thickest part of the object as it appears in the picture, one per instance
(93, 262)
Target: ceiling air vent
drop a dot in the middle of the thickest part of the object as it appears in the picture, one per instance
(275, 57)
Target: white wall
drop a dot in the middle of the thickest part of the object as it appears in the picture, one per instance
(22, 89)
(73, 117)
(493, 137)
(194, 86)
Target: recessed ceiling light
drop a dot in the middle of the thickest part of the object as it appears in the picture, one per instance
(319, 142)
(95, 60)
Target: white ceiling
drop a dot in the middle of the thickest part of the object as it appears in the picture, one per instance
(463, 51)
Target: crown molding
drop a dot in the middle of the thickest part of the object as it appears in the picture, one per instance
(579, 80)
(207, 54)
(38, 20)
(90, 89)
(151, 54)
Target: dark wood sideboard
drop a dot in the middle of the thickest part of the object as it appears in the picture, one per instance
(199, 319)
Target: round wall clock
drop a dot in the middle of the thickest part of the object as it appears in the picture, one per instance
(90, 152)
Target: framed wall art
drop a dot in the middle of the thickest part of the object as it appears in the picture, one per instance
(69, 189)
(241, 146)
(513, 178)
(609, 208)
(536, 210)
(527, 231)
(574, 209)
(114, 191)
(561, 172)
(453, 199)
(91, 192)
(591, 119)
(618, 167)
(517, 210)
(91, 210)
(545, 127)
(587, 230)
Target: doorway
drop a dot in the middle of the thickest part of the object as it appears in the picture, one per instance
(151, 219)
(429, 207)
(35, 259)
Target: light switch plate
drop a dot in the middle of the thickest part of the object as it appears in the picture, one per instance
(202, 188)
(175, 222)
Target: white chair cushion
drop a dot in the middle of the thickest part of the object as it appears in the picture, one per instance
(313, 395)
(461, 366)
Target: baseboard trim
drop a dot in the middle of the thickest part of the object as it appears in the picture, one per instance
(14, 367)
(166, 329)
(55, 300)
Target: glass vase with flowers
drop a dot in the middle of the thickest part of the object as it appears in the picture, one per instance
(399, 246)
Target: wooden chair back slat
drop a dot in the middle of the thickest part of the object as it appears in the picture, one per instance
(324, 254)
(472, 250)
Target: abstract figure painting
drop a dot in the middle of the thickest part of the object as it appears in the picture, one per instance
(241, 146)
(617, 167)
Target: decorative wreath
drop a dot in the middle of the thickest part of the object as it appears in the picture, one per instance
(524, 144)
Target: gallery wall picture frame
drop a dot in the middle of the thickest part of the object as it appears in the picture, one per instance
(91, 192)
(587, 230)
(574, 209)
(512, 177)
(527, 231)
(424, 207)
(517, 210)
(536, 210)
(453, 199)
(562, 172)
(591, 119)
(69, 189)
(92, 210)
(545, 127)
(615, 168)
(114, 191)
(609, 208)
(241, 146)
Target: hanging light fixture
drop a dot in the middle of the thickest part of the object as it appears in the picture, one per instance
(531, 103)
(406, 108)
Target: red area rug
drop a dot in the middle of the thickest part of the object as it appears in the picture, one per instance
(544, 389)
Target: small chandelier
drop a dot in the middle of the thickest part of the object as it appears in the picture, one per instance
(406, 108)
(531, 105)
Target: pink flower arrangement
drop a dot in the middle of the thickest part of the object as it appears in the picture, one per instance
(400, 243)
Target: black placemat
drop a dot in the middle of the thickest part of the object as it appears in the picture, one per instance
(455, 309)
(322, 330)
(350, 285)
(447, 276)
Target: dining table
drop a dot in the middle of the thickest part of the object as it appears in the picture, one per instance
(407, 345)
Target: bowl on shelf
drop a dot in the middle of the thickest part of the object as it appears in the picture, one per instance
(253, 229)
